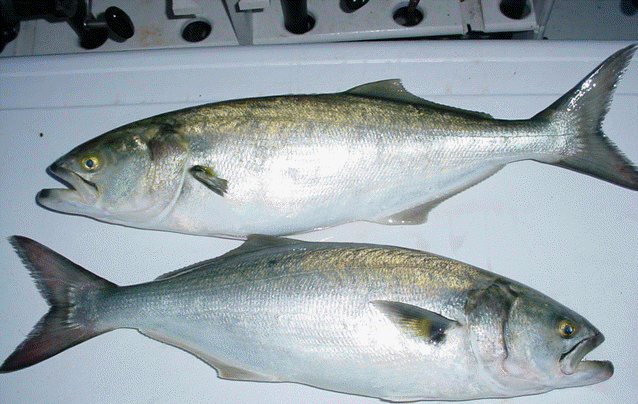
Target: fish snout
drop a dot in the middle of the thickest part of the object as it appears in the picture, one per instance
(79, 194)
(587, 371)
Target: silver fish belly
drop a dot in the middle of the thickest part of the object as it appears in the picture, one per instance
(370, 320)
(289, 164)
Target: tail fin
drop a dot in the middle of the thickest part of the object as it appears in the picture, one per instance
(583, 109)
(64, 285)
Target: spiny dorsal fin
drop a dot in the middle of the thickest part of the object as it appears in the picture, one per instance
(181, 271)
(416, 320)
(393, 90)
(253, 243)
(256, 242)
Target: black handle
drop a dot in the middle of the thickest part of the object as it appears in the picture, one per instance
(113, 23)
(119, 23)
(296, 17)
(92, 32)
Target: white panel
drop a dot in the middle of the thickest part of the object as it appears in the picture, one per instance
(153, 29)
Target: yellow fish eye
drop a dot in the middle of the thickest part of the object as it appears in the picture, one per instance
(567, 329)
(90, 162)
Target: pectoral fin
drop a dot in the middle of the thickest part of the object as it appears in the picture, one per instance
(207, 176)
(416, 320)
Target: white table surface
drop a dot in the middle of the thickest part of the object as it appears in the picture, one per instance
(570, 236)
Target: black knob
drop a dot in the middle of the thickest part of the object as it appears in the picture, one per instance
(196, 31)
(296, 17)
(348, 6)
(409, 15)
(119, 23)
(90, 38)
(93, 38)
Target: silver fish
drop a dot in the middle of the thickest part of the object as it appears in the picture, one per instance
(287, 164)
(378, 321)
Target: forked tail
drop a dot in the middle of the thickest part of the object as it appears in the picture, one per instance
(67, 288)
(583, 109)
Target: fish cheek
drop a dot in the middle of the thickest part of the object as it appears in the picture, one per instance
(124, 186)
(534, 347)
(488, 313)
(129, 178)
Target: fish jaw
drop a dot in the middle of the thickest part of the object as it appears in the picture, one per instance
(579, 372)
(81, 196)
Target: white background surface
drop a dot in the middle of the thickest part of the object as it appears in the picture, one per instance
(568, 235)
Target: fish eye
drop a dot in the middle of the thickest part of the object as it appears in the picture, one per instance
(90, 162)
(567, 329)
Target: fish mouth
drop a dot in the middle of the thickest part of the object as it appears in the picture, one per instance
(80, 192)
(572, 362)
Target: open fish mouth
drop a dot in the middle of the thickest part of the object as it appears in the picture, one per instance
(572, 361)
(80, 192)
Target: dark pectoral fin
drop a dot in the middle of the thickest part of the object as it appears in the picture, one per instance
(207, 176)
(416, 320)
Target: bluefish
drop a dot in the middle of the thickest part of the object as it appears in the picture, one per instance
(377, 321)
(288, 164)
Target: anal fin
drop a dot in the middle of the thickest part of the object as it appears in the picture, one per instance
(419, 214)
(412, 216)
(224, 371)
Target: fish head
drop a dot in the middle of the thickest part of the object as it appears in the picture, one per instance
(123, 176)
(546, 344)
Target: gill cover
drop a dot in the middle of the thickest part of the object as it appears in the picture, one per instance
(488, 311)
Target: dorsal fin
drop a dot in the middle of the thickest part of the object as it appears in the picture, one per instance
(393, 90)
(181, 271)
(256, 242)
(253, 243)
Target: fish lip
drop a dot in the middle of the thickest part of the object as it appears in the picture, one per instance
(572, 360)
(79, 190)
